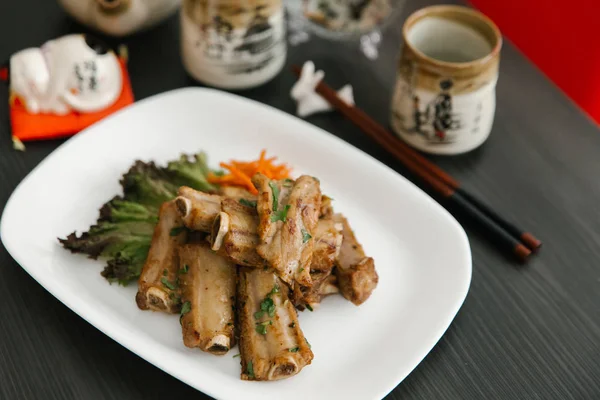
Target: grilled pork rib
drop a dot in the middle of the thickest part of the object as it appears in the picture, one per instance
(324, 284)
(327, 244)
(272, 345)
(197, 209)
(234, 234)
(329, 286)
(156, 286)
(356, 273)
(208, 284)
(288, 212)
(237, 193)
(326, 207)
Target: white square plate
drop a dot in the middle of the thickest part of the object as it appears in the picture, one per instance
(421, 253)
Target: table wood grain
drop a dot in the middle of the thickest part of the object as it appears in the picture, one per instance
(523, 333)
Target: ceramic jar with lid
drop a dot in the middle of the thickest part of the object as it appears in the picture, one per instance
(233, 44)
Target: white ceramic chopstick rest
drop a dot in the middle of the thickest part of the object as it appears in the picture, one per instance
(309, 101)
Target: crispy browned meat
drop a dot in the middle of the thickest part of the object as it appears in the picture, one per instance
(237, 193)
(234, 234)
(329, 286)
(356, 273)
(272, 345)
(207, 283)
(326, 207)
(288, 212)
(326, 210)
(324, 284)
(197, 209)
(328, 240)
(157, 288)
(327, 243)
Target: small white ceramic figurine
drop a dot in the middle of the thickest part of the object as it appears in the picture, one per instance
(73, 72)
(309, 101)
(120, 17)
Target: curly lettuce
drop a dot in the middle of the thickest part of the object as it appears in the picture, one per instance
(123, 232)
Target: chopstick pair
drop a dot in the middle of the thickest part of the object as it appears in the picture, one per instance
(508, 237)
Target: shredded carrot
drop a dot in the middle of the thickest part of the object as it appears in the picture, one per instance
(241, 172)
(261, 160)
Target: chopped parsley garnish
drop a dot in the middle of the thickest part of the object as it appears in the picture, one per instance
(248, 203)
(268, 307)
(218, 172)
(250, 370)
(275, 190)
(237, 355)
(309, 346)
(274, 290)
(186, 307)
(184, 270)
(294, 349)
(266, 304)
(309, 307)
(261, 329)
(288, 182)
(167, 284)
(292, 325)
(165, 272)
(280, 215)
(305, 236)
(301, 270)
(177, 230)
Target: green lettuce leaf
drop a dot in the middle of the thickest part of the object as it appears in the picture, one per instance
(123, 232)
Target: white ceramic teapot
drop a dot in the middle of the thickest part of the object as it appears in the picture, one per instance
(74, 72)
(120, 17)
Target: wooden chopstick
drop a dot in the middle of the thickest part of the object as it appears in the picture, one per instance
(526, 238)
(504, 234)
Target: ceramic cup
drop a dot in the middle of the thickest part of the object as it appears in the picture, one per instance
(445, 95)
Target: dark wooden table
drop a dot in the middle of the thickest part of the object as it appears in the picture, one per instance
(523, 333)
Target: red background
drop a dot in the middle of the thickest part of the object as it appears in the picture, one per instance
(561, 37)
